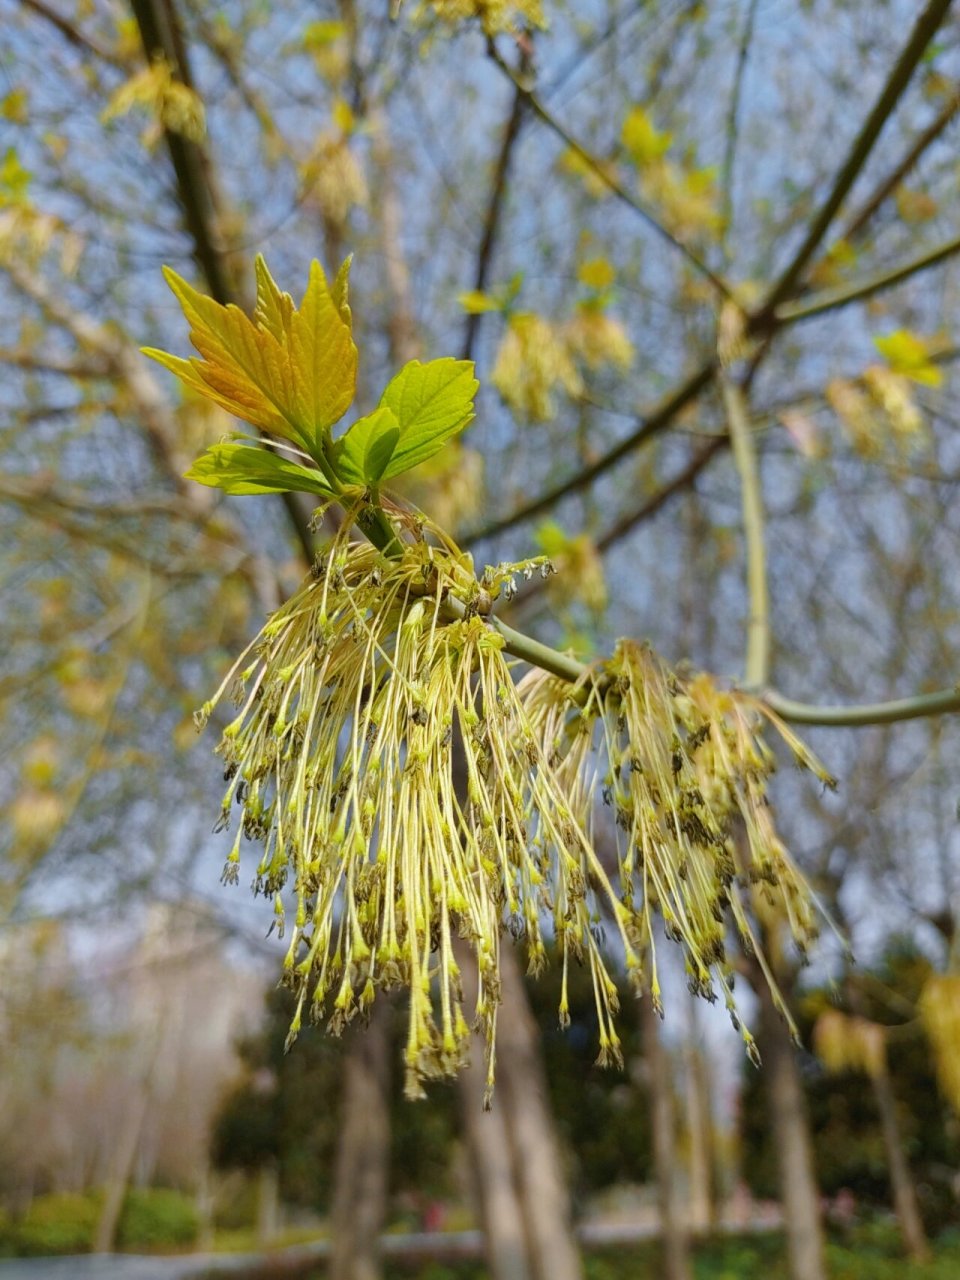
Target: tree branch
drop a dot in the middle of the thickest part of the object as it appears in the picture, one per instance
(160, 35)
(655, 422)
(831, 299)
(923, 32)
(491, 221)
(944, 702)
(858, 223)
(757, 667)
(615, 188)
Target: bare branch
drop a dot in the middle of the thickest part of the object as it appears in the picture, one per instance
(491, 221)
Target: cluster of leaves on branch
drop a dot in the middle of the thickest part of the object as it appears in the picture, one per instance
(400, 780)
(538, 357)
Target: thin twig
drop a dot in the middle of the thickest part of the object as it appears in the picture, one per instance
(733, 119)
(648, 509)
(72, 33)
(491, 221)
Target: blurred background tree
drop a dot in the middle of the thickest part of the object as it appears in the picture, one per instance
(591, 208)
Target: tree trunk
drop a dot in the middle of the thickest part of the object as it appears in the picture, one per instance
(901, 1180)
(537, 1159)
(268, 1203)
(791, 1131)
(492, 1166)
(699, 1128)
(673, 1233)
(360, 1187)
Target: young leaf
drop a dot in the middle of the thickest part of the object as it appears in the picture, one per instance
(475, 302)
(363, 453)
(291, 373)
(323, 356)
(908, 353)
(274, 307)
(243, 368)
(431, 402)
(242, 469)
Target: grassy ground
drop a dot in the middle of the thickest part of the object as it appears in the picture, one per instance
(864, 1255)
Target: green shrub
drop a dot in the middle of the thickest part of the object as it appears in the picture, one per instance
(62, 1223)
(156, 1218)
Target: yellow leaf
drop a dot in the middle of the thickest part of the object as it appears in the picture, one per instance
(291, 373)
(641, 140)
(323, 356)
(596, 273)
(907, 353)
(475, 302)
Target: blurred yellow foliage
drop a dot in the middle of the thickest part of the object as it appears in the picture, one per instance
(169, 102)
(596, 273)
(579, 567)
(534, 361)
(331, 177)
(940, 1013)
(496, 16)
(910, 354)
(641, 140)
(598, 339)
(845, 1043)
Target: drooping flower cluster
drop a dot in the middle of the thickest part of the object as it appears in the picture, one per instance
(385, 760)
(684, 769)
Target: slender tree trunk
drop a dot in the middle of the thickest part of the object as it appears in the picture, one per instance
(124, 1155)
(491, 1154)
(901, 1180)
(268, 1203)
(360, 1184)
(673, 1233)
(791, 1132)
(699, 1128)
(537, 1158)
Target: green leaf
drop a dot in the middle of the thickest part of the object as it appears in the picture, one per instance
(431, 402)
(239, 468)
(363, 453)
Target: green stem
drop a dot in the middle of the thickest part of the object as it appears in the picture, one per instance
(944, 702)
(745, 456)
(519, 645)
